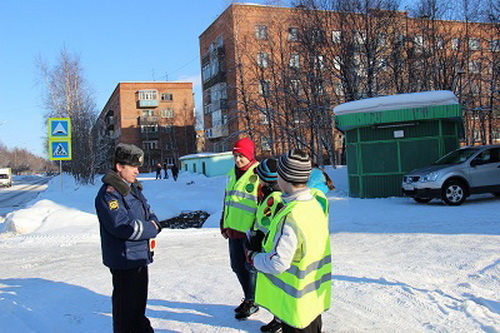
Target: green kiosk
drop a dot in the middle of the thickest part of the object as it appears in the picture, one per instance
(389, 136)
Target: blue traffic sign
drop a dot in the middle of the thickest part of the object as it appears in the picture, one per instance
(60, 150)
(59, 128)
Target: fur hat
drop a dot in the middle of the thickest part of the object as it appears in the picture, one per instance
(128, 154)
(267, 170)
(295, 166)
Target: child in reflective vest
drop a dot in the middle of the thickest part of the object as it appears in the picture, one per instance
(294, 279)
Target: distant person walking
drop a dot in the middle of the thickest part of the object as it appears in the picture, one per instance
(158, 171)
(175, 171)
(128, 228)
(165, 169)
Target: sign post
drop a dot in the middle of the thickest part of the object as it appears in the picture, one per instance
(60, 141)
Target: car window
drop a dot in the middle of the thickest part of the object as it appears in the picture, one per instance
(488, 156)
(495, 155)
(456, 157)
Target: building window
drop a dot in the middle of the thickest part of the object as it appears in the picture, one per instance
(167, 97)
(474, 43)
(167, 113)
(382, 39)
(295, 86)
(295, 60)
(439, 43)
(455, 43)
(216, 118)
(264, 117)
(494, 45)
(261, 32)
(148, 94)
(336, 36)
(293, 34)
(418, 41)
(474, 66)
(265, 87)
(359, 37)
(337, 63)
(317, 35)
(262, 59)
(319, 62)
(167, 129)
(265, 143)
(169, 146)
(148, 113)
(205, 71)
(146, 145)
(149, 128)
(219, 42)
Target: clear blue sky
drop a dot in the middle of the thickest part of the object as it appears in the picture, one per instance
(117, 40)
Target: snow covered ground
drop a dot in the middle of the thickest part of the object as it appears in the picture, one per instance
(398, 266)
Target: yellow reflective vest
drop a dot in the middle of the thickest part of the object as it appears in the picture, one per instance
(266, 211)
(240, 200)
(301, 293)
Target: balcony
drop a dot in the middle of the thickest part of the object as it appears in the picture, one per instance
(147, 103)
(150, 135)
(217, 132)
(148, 120)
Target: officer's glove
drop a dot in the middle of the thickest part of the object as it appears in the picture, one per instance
(253, 240)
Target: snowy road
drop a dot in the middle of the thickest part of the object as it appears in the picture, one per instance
(23, 190)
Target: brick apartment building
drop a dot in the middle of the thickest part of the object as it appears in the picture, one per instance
(254, 57)
(157, 116)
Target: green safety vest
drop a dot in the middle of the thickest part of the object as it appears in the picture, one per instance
(266, 211)
(301, 293)
(240, 200)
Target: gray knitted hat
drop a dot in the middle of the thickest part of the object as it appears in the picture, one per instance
(295, 166)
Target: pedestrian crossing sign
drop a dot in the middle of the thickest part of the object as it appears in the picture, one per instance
(60, 150)
(59, 128)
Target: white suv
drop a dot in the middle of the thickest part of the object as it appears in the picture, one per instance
(455, 176)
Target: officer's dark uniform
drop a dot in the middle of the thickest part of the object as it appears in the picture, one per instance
(124, 218)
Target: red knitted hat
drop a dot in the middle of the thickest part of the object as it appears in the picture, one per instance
(245, 147)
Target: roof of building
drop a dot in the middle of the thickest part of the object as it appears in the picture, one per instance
(398, 102)
(204, 155)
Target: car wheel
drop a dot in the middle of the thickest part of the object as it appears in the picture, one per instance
(453, 193)
(422, 200)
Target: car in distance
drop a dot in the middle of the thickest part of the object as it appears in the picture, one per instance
(6, 177)
(455, 176)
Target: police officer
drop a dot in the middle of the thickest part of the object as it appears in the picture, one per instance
(127, 227)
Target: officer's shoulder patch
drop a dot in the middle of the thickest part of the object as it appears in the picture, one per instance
(110, 189)
(113, 205)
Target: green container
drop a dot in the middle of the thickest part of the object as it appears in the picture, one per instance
(383, 145)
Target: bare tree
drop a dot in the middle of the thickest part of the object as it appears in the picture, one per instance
(67, 94)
